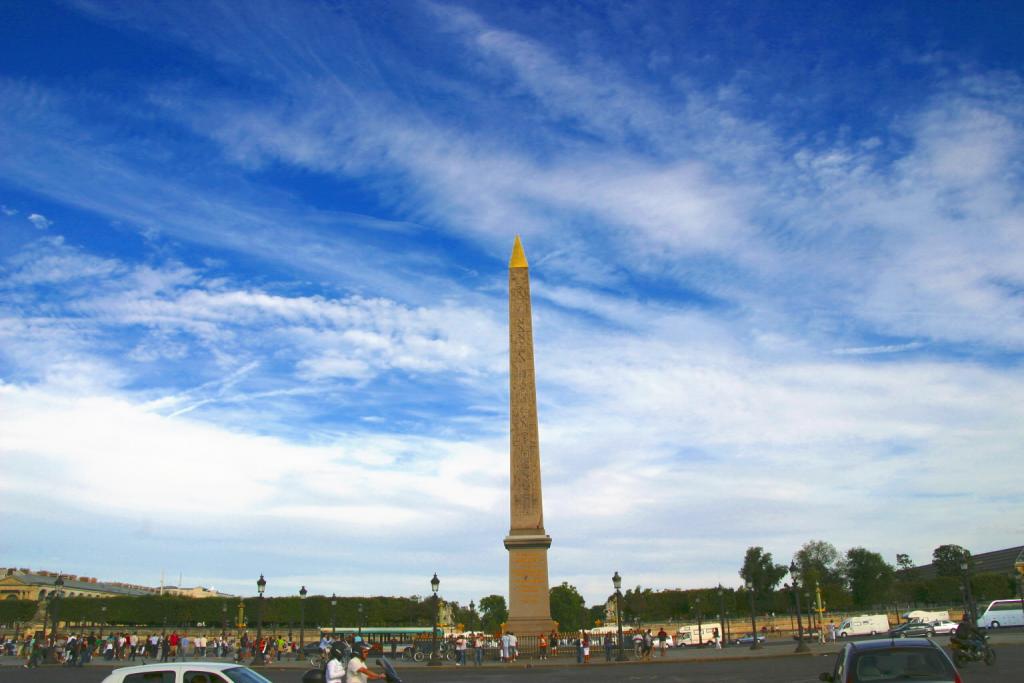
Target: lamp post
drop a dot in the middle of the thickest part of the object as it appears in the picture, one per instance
(103, 619)
(472, 614)
(360, 625)
(700, 623)
(756, 645)
(58, 594)
(435, 583)
(334, 604)
(261, 585)
(224, 620)
(968, 596)
(723, 635)
(302, 620)
(801, 646)
(810, 614)
(617, 582)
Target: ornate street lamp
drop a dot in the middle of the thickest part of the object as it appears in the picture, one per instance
(435, 583)
(360, 625)
(261, 585)
(58, 594)
(965, 569)
(472, 614)
(334, 612)
(810, 613)
(302, 620)
(801, 646)
(700, 624)
(723, 635)
(756, 645)
(103, 619)
(617, 582)
(224, 620)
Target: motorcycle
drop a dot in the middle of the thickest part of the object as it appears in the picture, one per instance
(317, 675)
(973, 652)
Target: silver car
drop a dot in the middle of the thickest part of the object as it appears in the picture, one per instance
(185, 672)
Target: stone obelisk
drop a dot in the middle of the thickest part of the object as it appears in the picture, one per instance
(529, 608)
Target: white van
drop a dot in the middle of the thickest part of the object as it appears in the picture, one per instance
(688, 636)
(1002, 613)
(863, 625)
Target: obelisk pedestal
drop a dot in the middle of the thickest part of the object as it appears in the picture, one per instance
(529, 606)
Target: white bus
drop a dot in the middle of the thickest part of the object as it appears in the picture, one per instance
(1002, 613)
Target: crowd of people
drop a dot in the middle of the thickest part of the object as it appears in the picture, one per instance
(77, 649)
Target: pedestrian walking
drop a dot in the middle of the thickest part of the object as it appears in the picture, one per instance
(609, 645)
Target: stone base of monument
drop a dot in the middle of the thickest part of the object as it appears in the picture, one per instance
(529, 600)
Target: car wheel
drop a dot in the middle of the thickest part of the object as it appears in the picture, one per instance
(995, 624)
(843, 634)
(874, 632)
(903, 634)
(418, 657)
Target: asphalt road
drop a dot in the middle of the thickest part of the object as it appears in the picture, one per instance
(798, 669)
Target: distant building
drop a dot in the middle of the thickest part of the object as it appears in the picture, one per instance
(24, 584)
(195, 592)
(1008, 561)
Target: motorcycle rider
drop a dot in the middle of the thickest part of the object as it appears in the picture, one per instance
(967, 635)
(357, 671)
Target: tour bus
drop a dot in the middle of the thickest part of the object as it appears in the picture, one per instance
(863, 625)
(394, 640)
(1003, 613)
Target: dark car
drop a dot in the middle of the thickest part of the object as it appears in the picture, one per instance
(749, 639)
(917, 659)
(912, 629)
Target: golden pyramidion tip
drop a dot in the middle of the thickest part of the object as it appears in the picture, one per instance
(518, 259)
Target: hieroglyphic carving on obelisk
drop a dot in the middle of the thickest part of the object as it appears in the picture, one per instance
(529, 608)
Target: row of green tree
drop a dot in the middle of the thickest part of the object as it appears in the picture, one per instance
(857, 579)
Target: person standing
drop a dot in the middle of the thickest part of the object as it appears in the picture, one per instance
(513, 645)
(542, 646)
(553, 643)
(832, 631)
(609, 645)
(478, 649)
(505, 647)
(663, 641)
(460, 650)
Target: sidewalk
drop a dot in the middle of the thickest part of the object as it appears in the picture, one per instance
(674, 655)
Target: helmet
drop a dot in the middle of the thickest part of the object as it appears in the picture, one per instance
(340, 650)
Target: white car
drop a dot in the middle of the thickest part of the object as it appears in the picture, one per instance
(185, 672)
(943, 626)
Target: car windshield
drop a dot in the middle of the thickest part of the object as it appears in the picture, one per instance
(900, 664)
(240, 674)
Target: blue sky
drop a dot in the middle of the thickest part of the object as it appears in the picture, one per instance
(253, 286)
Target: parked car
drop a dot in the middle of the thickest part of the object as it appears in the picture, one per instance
(185, 672)
(749, 639)
(917, 659)
(912, 629)
(944, 626)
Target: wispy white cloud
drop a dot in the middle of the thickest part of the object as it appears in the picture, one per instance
(39, 221)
